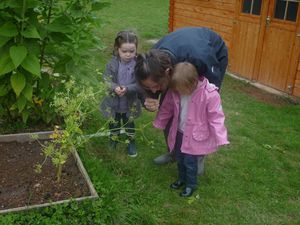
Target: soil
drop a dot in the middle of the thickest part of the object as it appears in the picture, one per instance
(266, 97)
(21, 186)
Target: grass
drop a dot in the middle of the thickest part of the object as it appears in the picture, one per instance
(147, 18)
(253, 181)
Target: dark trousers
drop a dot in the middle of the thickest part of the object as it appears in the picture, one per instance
(121, 118)
(187, 164)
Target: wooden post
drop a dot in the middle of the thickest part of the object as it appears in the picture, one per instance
(171, 15)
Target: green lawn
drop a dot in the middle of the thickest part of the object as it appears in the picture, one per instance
(255, 180)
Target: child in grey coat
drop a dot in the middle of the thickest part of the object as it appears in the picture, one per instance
(122, 105)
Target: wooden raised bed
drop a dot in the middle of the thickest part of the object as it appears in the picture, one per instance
(21, 188)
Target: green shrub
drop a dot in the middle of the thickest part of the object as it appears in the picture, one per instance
(43, 44)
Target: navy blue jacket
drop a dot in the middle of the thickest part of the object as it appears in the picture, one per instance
(200, 46)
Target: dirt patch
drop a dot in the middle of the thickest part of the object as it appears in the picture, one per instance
(20, 185)
(266, 97)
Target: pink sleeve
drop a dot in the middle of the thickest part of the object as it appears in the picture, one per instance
(165, 112)
(216, 118)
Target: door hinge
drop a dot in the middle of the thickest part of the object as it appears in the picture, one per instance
(268, 21)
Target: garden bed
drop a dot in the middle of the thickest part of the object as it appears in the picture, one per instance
(22, 188)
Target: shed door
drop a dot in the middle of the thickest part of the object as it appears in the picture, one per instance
(247, 36)
(264, 36)
(278, 44)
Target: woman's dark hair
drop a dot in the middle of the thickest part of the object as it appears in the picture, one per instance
(126, 36)
(153, 64)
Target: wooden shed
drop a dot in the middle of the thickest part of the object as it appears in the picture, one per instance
(263, 36)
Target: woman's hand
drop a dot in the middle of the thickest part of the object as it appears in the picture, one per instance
(151, 104)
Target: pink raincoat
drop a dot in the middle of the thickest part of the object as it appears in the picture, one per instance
(204, 129)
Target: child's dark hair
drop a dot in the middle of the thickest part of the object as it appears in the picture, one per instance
(126, 36)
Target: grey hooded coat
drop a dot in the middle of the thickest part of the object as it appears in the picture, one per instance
(109, 105)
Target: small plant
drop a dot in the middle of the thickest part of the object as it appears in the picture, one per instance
(73, 105)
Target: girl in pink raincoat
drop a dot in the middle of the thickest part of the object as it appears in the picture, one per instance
(198, 126)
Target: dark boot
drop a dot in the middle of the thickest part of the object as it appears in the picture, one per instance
(177, 184)
(131, 149)
(187, 192)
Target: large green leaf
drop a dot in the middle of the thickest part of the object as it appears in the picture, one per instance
(8, 30)
(2, 111)
(17, 54)
(18, 82)
(11, 4)
(33, 3)
(13, 107)
(31, 64)
(31, 32)
(3, 5)
(27, 92)
(6, 15)
(6, 64)
(21, 103)
(45, 81)
(3, 40)
(18, 4)
(61, 24)
(3, 89)
(25, 115)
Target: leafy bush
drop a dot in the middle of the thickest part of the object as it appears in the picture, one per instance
(42, 44)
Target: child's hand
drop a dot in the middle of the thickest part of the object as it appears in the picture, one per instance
(123, 91)
(120, 90)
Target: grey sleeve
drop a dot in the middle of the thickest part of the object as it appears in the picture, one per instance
(110, 75)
